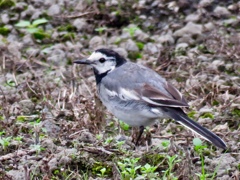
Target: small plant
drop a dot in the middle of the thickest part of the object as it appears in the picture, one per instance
(171, 160)
(124, 126)
(148, 171)
(2, 133)
(103, 172)
(128, 168)
(166, 144)
(18, 139)
(199, 147)
(101, 30)
(99, 136)
(131, 30)
(37, 148)
(5, 142)
(33, 28)
(10, 83)
(207, 115)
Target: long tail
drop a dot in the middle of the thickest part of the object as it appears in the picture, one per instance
(178, 115)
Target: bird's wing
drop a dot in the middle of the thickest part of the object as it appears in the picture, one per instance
(142, 84)
(154, 96)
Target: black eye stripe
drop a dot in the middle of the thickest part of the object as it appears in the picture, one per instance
(102, 60)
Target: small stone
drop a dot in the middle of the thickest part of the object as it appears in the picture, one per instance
(190, 29)
(166, 38)
(224, 162)
(151, 48)
(5, 18)
(233, 7)
(130, 45)
(80, 24)
(121, 51)
(209, 26)
(192, 18)
(32, 52)
(220, 11)
(53, 164)
(203, 58)
(95, 42)
(216, 63)
(27, 40)
(57, 57)
(26, 106)
(205, 3)
(140, 35)
(48, 144)
(186, 39)
(28, 12)
(36, 14)
(86, 137)
(51, 127)
(49, 2)
(54, 10)
(182, 46)
(13, 48)
(16, 174)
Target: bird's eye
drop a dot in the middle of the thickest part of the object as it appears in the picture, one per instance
(102, 60)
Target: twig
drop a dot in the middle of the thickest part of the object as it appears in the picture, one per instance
(18, 153)
(76, 16)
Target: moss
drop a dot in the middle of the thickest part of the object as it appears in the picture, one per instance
(4, 31)
(67, 27)
(6, 4)
(215, 103)
(134, 55)
(236, 112)
(140, 45)
(41, 35)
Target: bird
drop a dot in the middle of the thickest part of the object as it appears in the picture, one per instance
(138, 95)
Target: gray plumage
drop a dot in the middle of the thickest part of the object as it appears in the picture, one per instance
(138, 95)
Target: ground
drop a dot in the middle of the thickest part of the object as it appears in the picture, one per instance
(52, 124)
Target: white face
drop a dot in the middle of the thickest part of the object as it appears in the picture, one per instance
(102, 63)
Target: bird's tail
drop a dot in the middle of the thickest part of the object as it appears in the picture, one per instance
(178, 115)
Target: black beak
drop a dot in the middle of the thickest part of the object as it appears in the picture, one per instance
(83, 61)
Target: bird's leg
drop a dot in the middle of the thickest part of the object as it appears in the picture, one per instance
(141, 129)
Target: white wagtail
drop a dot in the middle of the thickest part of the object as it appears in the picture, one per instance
(138, 95)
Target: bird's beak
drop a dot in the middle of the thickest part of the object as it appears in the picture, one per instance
(83, 61)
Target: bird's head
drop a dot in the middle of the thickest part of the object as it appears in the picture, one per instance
(103, 60)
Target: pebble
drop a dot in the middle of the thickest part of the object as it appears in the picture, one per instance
(5, 18)
(151, 48)
(182, 46)
(121, 51)
(220, 11)
(190, 29)
(80, 24)
(205, 3)
(95, 42)
(130, 45)
(26, 106)
(192, 18)
(166, 38)
(54, 10)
